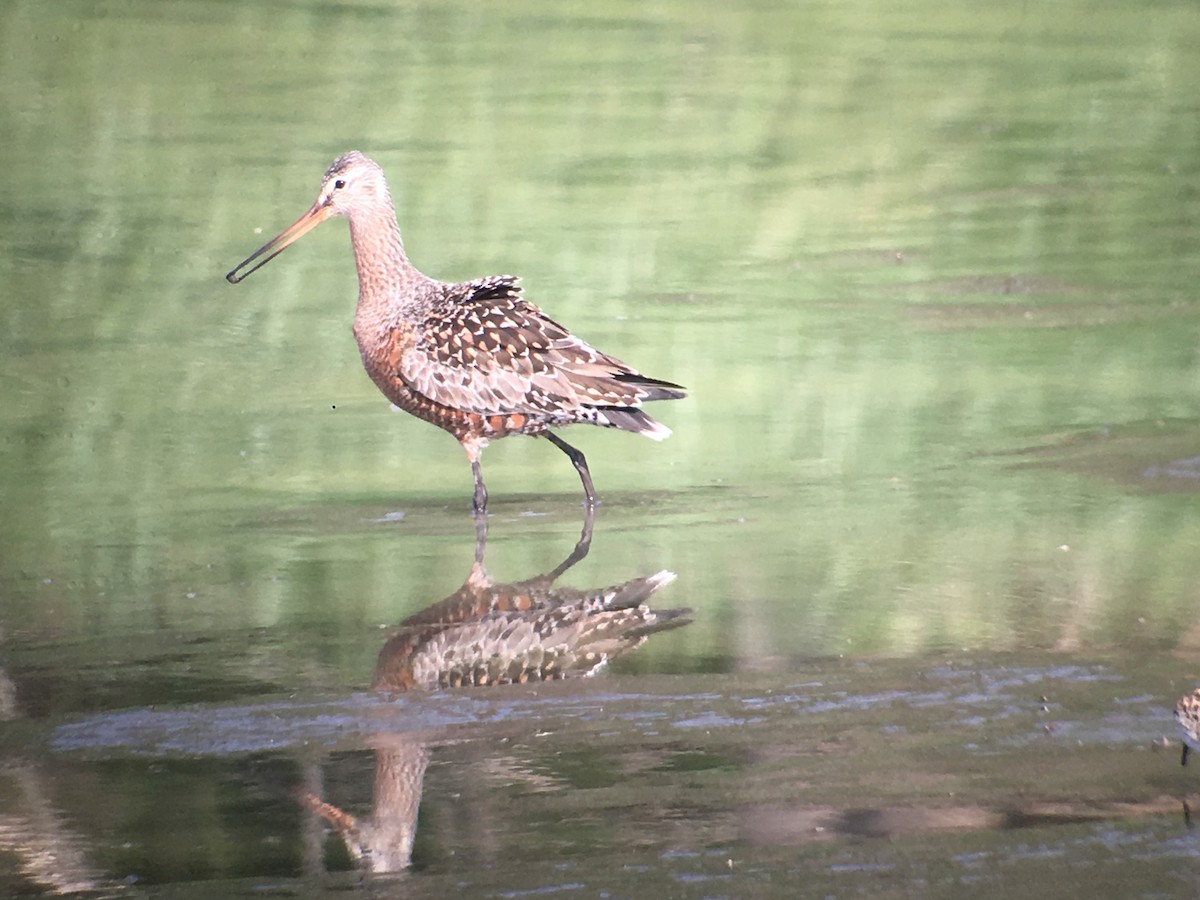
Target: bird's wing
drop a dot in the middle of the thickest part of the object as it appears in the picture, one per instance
(484, 349)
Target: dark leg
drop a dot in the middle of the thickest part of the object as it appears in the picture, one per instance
(479, 502)
(481, 524)
(581, 546)
(1183, 759)
(578, 461)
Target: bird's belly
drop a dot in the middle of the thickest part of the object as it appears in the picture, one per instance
(462, 424)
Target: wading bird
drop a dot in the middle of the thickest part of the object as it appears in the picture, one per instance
(1187, 717)
(473, 358)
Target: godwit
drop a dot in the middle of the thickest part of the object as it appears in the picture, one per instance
(473, 358)
(1187, 717)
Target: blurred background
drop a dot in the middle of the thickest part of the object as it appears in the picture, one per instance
(928, 271)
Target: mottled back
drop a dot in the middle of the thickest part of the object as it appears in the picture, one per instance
(483, 348)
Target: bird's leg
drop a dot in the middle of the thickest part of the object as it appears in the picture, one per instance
(479, 501)
(474, 449)
(1184, 756)
(481, 529)
(581, 546)
(579, 462)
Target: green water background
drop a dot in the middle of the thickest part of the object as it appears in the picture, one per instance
(928, 271)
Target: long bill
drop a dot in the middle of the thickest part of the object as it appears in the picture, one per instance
(280, 242)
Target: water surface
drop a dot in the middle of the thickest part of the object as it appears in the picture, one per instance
(928, 272)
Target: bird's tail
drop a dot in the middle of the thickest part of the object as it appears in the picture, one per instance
(632, 420)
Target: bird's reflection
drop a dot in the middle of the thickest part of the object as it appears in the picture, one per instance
(485, 635)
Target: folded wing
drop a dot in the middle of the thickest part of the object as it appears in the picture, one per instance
(484, 349)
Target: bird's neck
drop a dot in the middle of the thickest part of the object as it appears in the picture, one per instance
(385, 276)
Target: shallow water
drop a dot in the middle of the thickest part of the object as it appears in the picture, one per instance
(929, 275)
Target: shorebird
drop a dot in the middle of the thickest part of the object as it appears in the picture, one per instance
(474, 358)
(1187, 717)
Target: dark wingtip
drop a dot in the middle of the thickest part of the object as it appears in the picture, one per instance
(655, 388)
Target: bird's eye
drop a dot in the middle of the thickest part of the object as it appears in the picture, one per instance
(339, 184)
